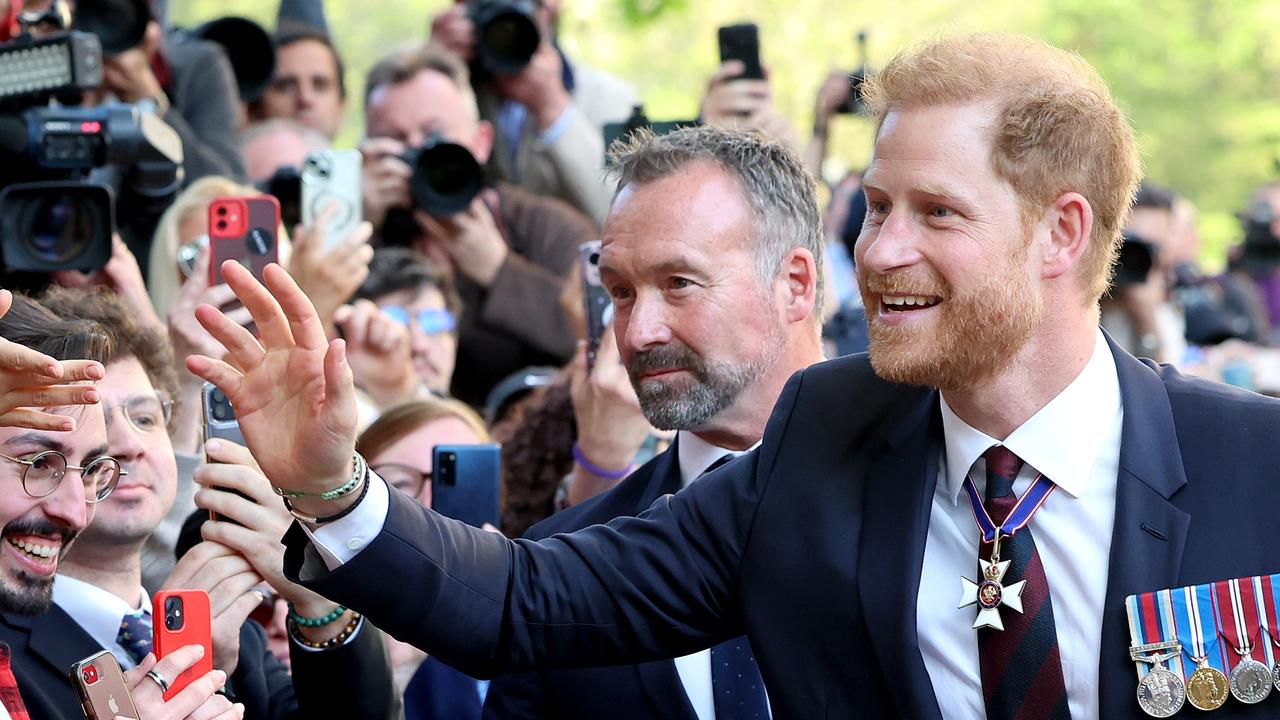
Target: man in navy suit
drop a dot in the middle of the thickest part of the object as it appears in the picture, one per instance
(746, 340)
(997, 191)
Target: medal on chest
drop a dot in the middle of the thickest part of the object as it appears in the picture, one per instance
(1157, 653)
(990, 592)
(1240, 626)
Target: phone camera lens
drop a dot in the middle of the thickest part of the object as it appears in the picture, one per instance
(595, 258)
(222, 210)
(222, 224)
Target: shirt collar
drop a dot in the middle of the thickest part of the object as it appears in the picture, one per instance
(94, 609)
(695, 455)
(1061, 440)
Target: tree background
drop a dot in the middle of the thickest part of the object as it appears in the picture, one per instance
(1200, 79)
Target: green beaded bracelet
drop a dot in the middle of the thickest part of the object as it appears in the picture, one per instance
(314, 622)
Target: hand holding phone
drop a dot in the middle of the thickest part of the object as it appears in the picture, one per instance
(243, 229)
(465, 483)
(595, 298)
(181, 618)
(331, 179)
(104, 694)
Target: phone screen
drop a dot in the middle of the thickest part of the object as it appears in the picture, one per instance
(742, 42)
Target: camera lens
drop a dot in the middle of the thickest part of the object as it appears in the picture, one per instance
(508, 41)
(173, 613)
(222, 224)
(58, 228)
(222, 209)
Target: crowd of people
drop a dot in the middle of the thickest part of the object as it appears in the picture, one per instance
(353, 358)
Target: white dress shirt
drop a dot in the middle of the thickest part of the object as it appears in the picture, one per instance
(98, 612)
(1074, 440)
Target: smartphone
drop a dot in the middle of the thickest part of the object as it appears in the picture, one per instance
(332, 177)
(218, 420)
(595, 298)
(181, 618)
(243, 229)
(100, 684)
(742, 42)
(465, 483)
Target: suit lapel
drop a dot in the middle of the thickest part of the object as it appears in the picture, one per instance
(1150, 533)
(899, 491)
(659, 678)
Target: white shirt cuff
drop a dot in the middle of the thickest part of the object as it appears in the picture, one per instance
(549, 136)
(341, 540)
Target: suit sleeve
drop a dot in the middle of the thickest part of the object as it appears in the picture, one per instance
(517, 696)
(656, 586)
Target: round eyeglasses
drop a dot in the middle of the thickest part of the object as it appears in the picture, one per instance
(43, 472)
(431, 321)
(145, 412)
(405, 478)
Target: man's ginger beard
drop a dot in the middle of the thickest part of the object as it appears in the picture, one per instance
(973, 337)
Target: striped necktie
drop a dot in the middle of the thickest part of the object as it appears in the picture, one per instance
(1021, 667)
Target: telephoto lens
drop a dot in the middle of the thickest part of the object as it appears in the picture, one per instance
(507, 34)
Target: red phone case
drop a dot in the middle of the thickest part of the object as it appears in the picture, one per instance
(195, 629)
(243, 229)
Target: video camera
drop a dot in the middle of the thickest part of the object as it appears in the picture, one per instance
(62, 166)
(446, 179)
(1137, 258)
(507, 34)
(1260, 251)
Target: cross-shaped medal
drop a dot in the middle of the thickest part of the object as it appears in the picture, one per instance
(989, 594)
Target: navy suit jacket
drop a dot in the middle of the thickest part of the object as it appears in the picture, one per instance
(44, 647)
(813, 545)
(645, 691)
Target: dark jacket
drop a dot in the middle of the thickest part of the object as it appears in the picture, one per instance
(813, 546)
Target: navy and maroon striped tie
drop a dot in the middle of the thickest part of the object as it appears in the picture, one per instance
(1021, 668)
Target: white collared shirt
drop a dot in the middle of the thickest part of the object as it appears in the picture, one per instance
(98, 612)
(1074, 440)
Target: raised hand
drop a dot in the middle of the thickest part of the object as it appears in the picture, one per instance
(293, 390)
(197, 701)
(30, 380)
(378, 351)
(229, 579)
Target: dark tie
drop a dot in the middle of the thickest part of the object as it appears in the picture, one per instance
(736, 683)
(1021, 668)
(135, 635)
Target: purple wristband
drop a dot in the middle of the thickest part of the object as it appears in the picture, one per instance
(596, 469)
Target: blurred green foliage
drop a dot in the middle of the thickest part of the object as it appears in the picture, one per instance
(1199, 78)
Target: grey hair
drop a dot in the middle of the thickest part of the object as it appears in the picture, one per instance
(781, 192)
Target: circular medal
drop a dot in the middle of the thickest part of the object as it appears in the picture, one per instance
(1251, 681)
(990, 594)
(1275, 675)
(1161, 693)
(1207, 689)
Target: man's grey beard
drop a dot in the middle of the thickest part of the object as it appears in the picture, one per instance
(683, 405)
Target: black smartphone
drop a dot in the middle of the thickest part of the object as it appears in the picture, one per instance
(595, 298)
(465, 483)
(742, 42)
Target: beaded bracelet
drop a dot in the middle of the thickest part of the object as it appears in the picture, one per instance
(332, 642)
(596, 470)
(305, 621)
(357, 474)
(317, 520)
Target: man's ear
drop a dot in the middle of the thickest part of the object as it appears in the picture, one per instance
(1070, 223)
(798, 283)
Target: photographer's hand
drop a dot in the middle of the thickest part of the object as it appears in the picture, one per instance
(744, 104)
(385, 178)
(834, 92)
(254, 525)
(129, 75)
(378, 351)
(31, 381)
(293, 392)
(539, 87)
(470, 239)
(123, 275)
(330, 277)
(452, 30)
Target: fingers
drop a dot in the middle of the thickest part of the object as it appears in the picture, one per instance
(728, 70)
(291, 305)
(239, 343)
(238, 611)
(21, 361)
(48, 396)
(263, 305)
(176, 662)
(228, 596)
(218, 372)
(225, 451)
(193, 695)
(185, 570)
(378, 147)
(37, 420)
(340, 389)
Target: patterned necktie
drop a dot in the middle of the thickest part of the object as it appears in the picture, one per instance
(135, 635)
(1021, 668)
(736, 683)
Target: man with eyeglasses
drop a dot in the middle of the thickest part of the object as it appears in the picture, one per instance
(98, 593)
(55, 470)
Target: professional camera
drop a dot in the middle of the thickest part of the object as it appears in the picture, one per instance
(1137, 258)
(59, 165)
(854, 104)
(507, 34)
(1260, 251)
(446, 178)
